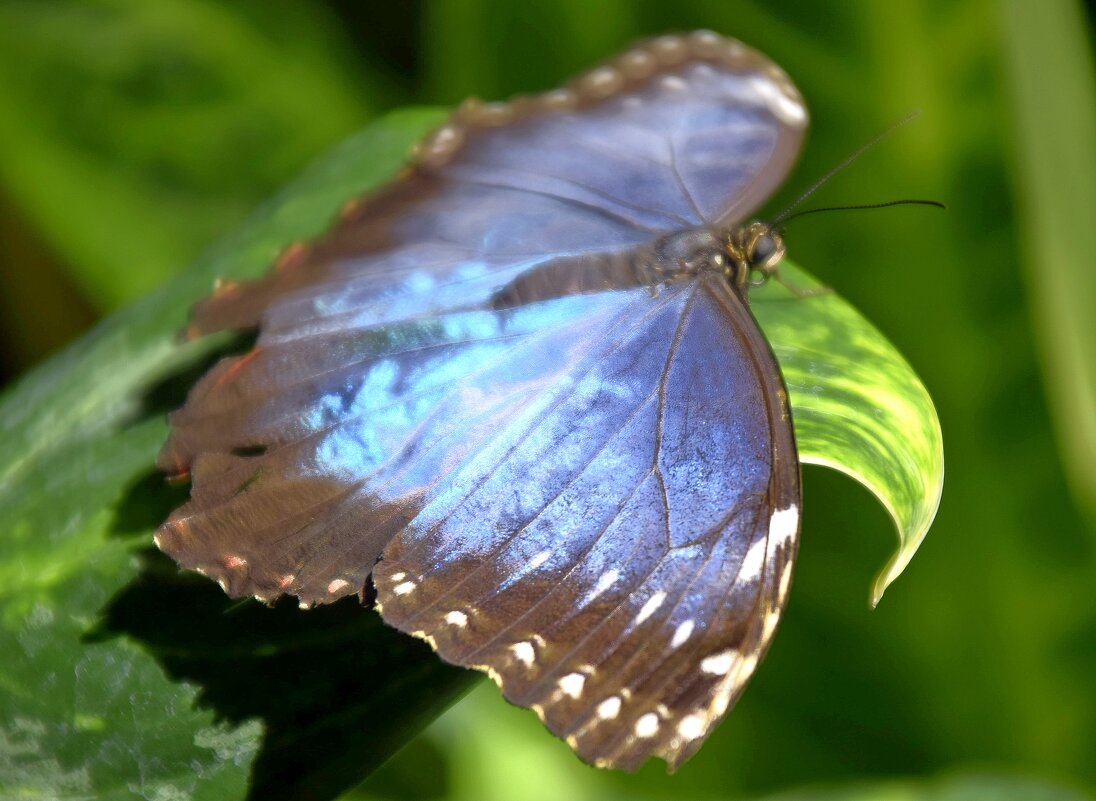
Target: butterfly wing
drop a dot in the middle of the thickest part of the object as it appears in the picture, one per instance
(637, 440)
(620, 562)
(676, 132)
(594, 499)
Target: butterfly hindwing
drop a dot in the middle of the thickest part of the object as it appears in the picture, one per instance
(394, 414)
(620, 566)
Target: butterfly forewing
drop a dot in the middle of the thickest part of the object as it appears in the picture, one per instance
(675, 132)
(576, 478)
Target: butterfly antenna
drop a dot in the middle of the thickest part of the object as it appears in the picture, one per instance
(784, 215)
(805, 212)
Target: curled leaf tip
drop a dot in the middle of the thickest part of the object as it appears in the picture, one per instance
(859, 408)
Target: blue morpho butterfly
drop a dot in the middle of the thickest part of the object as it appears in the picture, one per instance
(521, 391)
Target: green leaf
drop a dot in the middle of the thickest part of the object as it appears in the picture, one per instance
(858, 407)
(130, 678)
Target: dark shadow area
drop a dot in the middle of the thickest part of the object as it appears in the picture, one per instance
(336, 689)
(147, 503)
(169, 391)
(388, 36)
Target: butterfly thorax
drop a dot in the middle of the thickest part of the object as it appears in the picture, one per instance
(685, 253)
(735, 253)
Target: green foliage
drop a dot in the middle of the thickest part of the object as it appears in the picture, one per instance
(981, 656)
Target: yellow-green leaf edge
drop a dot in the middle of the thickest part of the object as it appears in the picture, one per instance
(858, 406)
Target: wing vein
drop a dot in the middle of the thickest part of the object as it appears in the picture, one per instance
(562, 199)
(600, 193)
(583, 711)
(679, 179)
(425, 490)
(615, 343)
(660, 417)
(540, 512)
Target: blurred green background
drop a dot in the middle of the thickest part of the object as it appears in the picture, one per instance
(133, 133)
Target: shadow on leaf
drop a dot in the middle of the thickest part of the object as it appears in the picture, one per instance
(337, 691)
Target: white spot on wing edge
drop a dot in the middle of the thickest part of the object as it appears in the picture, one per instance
(456, 618)
(601, 82)
(492, 674)
(787, 109)
(524, 653)
(785, 580)
(718, 664)
(647, 725)
(730, 683)
(652, 605)
(746, 669)
(428, 639)
(682, 633)
(771, 619)
(572, 684)
(337, 585)
(609, 708)
(604, 582)
(782, 526)
(691, 727)
(753, 561)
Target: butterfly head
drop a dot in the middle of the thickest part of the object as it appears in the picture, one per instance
(754, 250)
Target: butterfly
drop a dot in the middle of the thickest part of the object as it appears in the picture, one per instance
(519, 392)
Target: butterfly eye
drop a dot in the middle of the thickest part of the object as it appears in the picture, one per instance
(763, 248)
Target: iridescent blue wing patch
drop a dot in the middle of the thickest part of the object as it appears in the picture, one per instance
(519, 390)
